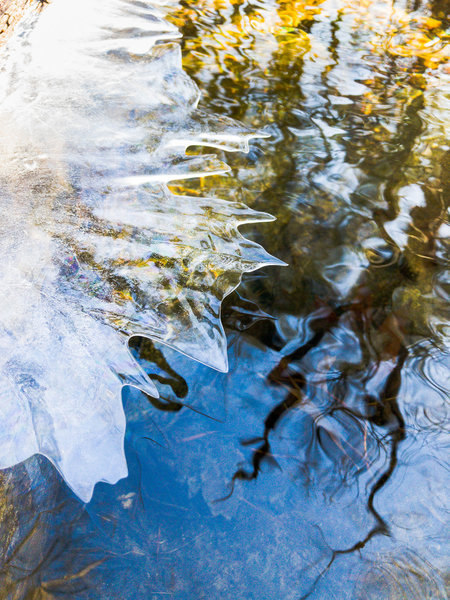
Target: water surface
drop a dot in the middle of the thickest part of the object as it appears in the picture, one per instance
(318, 465)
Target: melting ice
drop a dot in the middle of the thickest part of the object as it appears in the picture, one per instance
(96, 115)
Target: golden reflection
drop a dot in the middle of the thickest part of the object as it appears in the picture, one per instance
(414, 35)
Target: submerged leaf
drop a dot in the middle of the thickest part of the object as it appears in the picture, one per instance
(96, 115)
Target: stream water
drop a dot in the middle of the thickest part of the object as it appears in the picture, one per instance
(316, 466)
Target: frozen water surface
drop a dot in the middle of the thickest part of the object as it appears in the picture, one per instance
(96, 115)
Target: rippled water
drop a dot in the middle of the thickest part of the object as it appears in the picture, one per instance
(318, 465)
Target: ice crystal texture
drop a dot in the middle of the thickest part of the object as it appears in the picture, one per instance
(96, 114)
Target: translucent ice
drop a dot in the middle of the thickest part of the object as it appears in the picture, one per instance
(96, 114)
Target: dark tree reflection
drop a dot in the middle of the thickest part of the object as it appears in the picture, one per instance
(345, 178)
